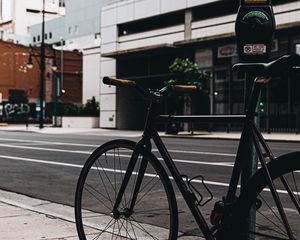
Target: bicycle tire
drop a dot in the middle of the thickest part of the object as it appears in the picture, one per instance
(268, 222)
(95, 189)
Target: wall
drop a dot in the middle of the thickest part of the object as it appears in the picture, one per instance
(13, 71)
(134, 11)
(22, 19)
(80, 30)
(72, 76)
(91, 74)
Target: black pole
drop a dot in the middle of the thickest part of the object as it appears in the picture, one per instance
(55, 99)
(250, 160)
(42, 71)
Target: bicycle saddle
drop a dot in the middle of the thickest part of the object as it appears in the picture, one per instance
(270, 69)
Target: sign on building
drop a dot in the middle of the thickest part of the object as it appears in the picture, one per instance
(229, 50)
(204, 58)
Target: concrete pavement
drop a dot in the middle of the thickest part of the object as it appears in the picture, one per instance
(22, 217)
(26, 218)
(48, 129)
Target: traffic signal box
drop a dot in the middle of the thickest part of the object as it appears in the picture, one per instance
(255, 27)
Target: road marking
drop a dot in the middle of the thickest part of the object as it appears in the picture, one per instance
(91, 145)
(47, 142)
(200, 153)
(45, 149)
(222, 164)
(41, 161)
(220, 184)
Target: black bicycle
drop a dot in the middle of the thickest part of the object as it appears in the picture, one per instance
(126, 191)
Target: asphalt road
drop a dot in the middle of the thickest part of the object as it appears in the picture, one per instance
(47, 166)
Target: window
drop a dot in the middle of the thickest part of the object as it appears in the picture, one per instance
(46, 36)
(34, 39)
(50, 35)
(70, 30)
(76, 29)
(148, 24)
(62, 3)
(38, 38)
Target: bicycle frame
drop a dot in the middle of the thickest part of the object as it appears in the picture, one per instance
(249, 131)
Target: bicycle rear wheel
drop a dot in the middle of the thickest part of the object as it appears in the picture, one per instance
(154, 215)
(269, 223)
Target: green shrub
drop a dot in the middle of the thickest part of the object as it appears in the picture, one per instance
(91, 108)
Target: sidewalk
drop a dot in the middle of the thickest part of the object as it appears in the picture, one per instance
(26, 218)
(48, 129)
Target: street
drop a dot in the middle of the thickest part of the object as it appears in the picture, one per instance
(47, 166)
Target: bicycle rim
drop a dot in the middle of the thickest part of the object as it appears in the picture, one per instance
(269, 223)
(155, 213)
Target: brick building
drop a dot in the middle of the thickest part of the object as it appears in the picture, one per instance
(20, 86)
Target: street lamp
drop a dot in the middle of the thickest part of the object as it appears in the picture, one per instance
(42, 56)
(58, 83)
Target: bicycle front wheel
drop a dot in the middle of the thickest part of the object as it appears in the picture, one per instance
(270, 222)
(154, 214)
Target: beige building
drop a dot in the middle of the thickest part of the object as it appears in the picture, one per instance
(140, 38)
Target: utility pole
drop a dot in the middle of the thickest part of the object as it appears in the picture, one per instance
(42, 71)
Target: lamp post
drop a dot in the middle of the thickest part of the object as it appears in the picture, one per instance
(42, 70)
(42, 57)
(58, 84)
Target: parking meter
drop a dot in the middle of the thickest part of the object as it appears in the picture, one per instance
(255, 26)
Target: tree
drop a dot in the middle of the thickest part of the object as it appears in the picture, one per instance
(185, 72)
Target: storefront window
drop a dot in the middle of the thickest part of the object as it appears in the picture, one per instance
(221, 91)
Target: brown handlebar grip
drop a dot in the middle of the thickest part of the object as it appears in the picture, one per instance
(118, 82)
(184, 88)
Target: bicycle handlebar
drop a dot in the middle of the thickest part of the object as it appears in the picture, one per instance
(145, 92)
(118, 82)
(184, 88)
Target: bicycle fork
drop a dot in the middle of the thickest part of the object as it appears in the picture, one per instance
(128, 211)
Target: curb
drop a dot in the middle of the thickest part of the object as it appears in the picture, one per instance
(206, 137)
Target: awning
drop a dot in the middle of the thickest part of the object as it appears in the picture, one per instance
(204, 39)
(138, 50)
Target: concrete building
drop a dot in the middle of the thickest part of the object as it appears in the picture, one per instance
(80, 30)
(17, 15)
(140, 38)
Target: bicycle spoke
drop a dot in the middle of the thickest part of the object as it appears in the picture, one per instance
(135, 180)
(97, 197)
(100, 188)
(271, 209)
(122, 175)
(281, 232)
(142, 228)
(100, 176)
(296, 188)
(102, 231)
(147, 192)
(151, 210)
(132, 229)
